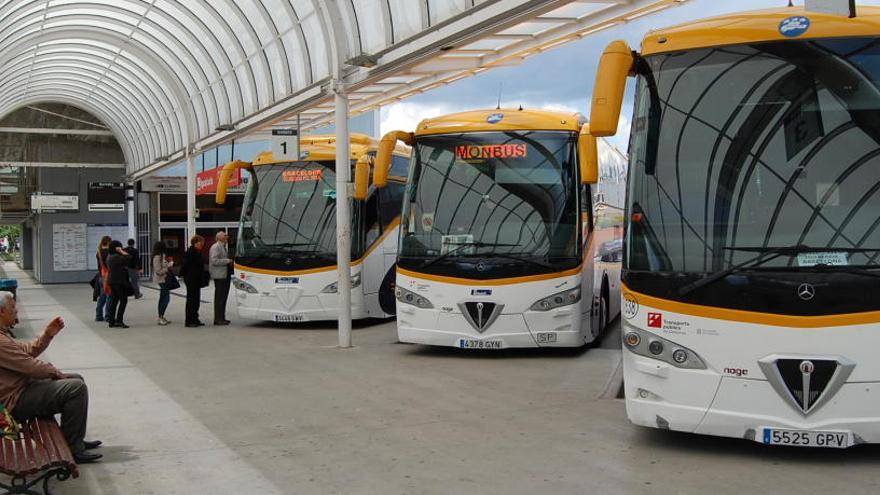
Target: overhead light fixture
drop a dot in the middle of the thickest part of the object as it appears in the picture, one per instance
(364, 60)
(225, 127)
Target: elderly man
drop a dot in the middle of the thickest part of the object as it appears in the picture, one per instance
(33, 388)
(220, 267)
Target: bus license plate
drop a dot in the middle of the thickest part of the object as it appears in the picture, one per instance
(480, 344)
(807, 438)
(288, 318)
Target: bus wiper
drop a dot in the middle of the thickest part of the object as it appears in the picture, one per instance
(856, 270)
(458, 248)
(765, 254)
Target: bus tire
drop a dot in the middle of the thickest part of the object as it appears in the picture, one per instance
(387, 300)
(602, 320)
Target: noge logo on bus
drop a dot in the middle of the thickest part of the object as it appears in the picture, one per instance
(466, 152)
(794, 26)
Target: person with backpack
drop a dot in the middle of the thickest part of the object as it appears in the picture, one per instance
(118, 263)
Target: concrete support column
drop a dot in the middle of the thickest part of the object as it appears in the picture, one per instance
(190, 196)
(343, 214)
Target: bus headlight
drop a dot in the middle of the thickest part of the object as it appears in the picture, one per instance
(656, 347)
(559, 299)
(242, 285)
(409, 297)
(334, 287)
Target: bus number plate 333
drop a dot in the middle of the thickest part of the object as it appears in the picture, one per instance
(806, 438)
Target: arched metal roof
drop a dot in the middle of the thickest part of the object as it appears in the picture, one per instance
(167, 76)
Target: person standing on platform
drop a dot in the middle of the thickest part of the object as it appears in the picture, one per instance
(161, 265)
(118, 263)
(194, 275)
(135, 269)
(101, 310)
(220, 265)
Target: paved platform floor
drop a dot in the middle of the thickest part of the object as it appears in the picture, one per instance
(257, 408)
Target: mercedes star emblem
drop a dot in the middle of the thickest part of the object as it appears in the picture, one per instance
(806, 292)
(288, 261)
(481, 266)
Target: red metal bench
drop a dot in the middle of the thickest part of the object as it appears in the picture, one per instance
(40, 449)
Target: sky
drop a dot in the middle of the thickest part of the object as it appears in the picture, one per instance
(561, 78)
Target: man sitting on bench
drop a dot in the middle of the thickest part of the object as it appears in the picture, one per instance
(33, 388)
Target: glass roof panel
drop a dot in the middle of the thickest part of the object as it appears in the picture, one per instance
(406, 18)
(165, 73)
(371, 19)
(444, 9)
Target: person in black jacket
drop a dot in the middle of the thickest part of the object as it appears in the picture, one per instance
(193, 273)
(120, 288)
(135, 268)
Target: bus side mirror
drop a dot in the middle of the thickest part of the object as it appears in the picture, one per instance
(588, 156)
(223, 180)
(615, 66)
(361, 178)
(386, 151)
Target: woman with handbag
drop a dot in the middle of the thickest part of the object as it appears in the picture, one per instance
(164, 278)
(101, 255)
(120, 287)
(193, 273)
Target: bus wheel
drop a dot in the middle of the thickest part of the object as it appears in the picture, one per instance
(387, 300)
(603, 316)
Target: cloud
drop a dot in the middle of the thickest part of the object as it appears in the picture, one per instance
(405, 116)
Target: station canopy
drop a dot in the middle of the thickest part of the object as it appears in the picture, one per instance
(171, 76)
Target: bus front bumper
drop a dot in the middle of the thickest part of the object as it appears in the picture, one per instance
(745, 408)
(320, 307)
(431, 327)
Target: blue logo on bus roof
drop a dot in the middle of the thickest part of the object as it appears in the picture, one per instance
(794, 26)
(495, 118)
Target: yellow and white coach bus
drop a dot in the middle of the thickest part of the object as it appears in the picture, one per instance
(751, 249)
(506, 241)
(285, 260)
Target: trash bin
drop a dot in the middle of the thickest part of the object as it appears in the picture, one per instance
(9, 285)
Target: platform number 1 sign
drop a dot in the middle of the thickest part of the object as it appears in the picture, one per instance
(285, 144)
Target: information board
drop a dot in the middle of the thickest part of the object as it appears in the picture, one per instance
(69, 247)
(94, 234)
(106, 196)
(54, 202)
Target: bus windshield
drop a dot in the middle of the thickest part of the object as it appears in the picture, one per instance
(771, 148)
(492, 205)
(289, 217)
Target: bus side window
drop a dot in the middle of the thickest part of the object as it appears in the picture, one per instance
(390, 202)
(372, 229)
(399, 167)
(587, 205)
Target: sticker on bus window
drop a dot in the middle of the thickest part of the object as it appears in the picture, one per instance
(302, 175)
(485, 151)
(829, 258)
(457, 242)
(427, 222)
